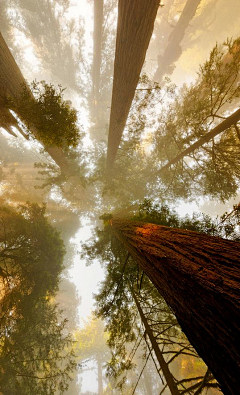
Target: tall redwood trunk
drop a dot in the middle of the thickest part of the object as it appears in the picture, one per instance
(135, 25)
(97, 43)
(198, 275)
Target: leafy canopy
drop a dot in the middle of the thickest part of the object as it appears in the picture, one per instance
(116, 304)
(46, 113)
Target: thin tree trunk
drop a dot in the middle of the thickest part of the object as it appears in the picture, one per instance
(135, 25)
(226, 124)
(173, 50)
(198, 275)
(164, 366)
(100, 377)
(97, 43)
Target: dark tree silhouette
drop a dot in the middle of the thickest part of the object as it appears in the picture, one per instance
(172, 385)
(198, 275)
(173, 49)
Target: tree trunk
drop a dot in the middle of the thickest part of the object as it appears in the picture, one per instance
(198, 275)
(100, 377)
(97, 43)
(135, 25)
(226, 124)
(163, 365)
(173, 50)
(12, 83)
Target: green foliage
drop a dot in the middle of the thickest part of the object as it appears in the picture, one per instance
(165, 121)
(90, 342)
(227, 226)
(125, 185)
(163, 215)
(115, 302)
(49, 116)
(49, 174)
(105, 217)
(214, 168)
(31, 249)
(35, 351)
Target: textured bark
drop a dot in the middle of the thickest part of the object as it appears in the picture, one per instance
(226, 124)
(198, 275)
(164, 366)
(11, 85)
(97, 43)
(173, 50)
(11, 82)
(135, 25)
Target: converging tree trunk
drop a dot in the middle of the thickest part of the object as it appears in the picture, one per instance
(173, 50)
(226, 124)
(97, 43)
(198, 275)
(100, 377)
(135, 25)
(12, 84)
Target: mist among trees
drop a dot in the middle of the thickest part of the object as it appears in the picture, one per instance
(119, 191)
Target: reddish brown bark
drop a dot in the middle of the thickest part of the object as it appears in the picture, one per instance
(135, 25)
(226, 124)
(198, 275)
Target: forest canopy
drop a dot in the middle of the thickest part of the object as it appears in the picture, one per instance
(54, 120)
(133, 112)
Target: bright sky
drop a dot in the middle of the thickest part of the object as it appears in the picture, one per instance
(86, 278)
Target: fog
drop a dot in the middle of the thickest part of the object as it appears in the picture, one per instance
(113, 112)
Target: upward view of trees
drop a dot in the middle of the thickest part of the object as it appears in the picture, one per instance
(150, 245)
(126, 284)
(50, 112)
(102, 132)
(193, 140)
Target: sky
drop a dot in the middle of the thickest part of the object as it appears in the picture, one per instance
(86, 278)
